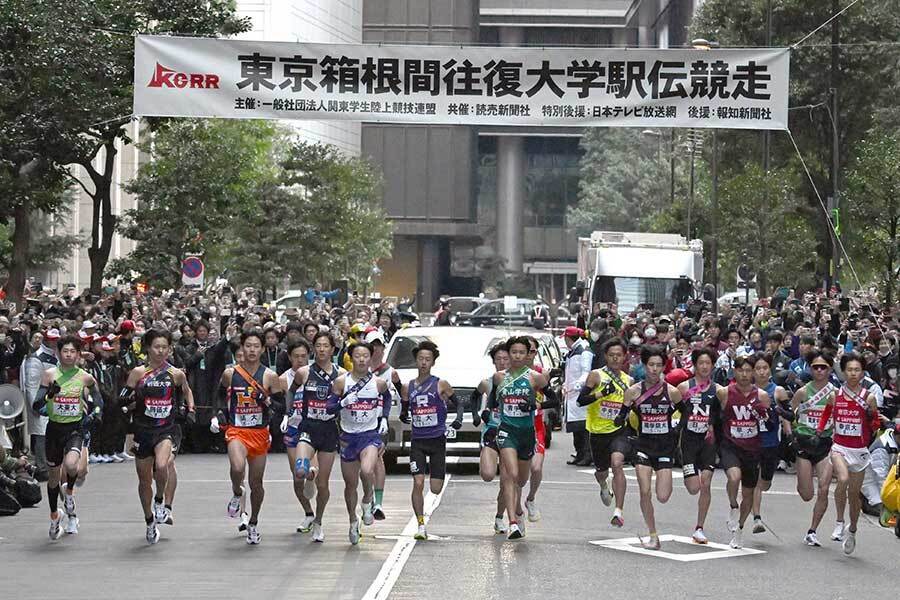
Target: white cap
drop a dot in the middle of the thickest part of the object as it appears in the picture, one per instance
(88, 325)
(375, 336)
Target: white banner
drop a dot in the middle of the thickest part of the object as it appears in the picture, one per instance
(468, 85)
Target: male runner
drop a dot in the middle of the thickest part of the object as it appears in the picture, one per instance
(813, 451)
(364, 403)
(316, 438)
(654, 402)
(603, 394)
(743, 406)
(254, 393)
(62, 397)
(770, 430)
(489, 458)
(381, 369)
(298, 352)
(424, 406)
(151, 395)
(514, 392)
(854, 409)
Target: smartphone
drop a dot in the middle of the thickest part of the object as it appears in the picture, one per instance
(845, 305)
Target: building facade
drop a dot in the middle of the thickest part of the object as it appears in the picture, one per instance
(465, 199)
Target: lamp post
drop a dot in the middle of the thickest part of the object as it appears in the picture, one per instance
(658, 135)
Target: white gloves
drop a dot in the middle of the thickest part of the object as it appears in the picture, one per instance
(214, 425)
(284, 424)
(348, 400)
(382, 426)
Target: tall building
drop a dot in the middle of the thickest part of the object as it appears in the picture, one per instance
(463, 198)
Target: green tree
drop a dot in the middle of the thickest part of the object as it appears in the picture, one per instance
(865, 77)
(624, 180)
(873, 203)
(199, 189)
(68, 70)
(762, 222)
(324, 220)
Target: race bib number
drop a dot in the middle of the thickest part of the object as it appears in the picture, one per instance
(157, 408)
(423, 414)
(247, 413)
(316, 410)
(512, 407)
(848, 429)
(425, 420)
(67, 407)
(362, 412)
(450, 433)
(609, 410)
(248, 419)
(811, 418)
(655, 424)
(744, 431)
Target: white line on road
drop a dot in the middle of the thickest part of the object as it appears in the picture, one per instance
(396, 560)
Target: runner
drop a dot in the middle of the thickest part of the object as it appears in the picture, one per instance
(298, 353)
(603, 393)
(514, 392)
(537, 461)
(813, 452)
(153, 394)
(389, 374)
(854, 410)
(254, 393)
(770, 430)
(743, 406)
(316, 431)
(63, 398)
(424, 405)
(364, 403)
(489, 458)
(654, 402)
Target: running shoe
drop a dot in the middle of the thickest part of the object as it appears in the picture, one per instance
(72, 525)
(812, 539)
(104, 458)
(234, 505)
(309, 489)
(737, 539)
(606, 495)
(849, 544)
(515, 533)
(124, 456)
(758, 526)
(306, 524)
(169, 519)
(421, 534)
(534, 514)
(839, 530)
(354, 533)
(734, 518)
(617, 520)
(69, 503)
(116, 458)
(253, 537)
(500, 526)
(152, 533)
(317, 534)
(55, 528)
(521, 522)
(92, 459)
(159, 512)
(378, 513)
(368, 517)
(699, 537)
(651, 543)
(245, 519)
(790, 469)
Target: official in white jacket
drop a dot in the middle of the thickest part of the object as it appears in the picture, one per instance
(578, 365)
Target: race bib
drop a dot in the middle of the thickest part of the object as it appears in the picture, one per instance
(316, 410)
(248, 419)
(425, 420)
(609, 410)
(361, 412)
(744, 431)
(811, 418)
(848, 429)
(67, 407)
(512, 407)
(655, 424)
(157, 408)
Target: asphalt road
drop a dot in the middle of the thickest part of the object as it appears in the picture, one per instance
(204, 556)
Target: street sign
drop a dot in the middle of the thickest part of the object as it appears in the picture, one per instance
(192, 272)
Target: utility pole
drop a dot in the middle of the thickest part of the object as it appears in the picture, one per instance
(714, 250)
(766, 133)
(837, 234)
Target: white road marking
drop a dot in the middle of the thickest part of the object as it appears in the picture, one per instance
(396, 560)
(633, 545)
(630, 474)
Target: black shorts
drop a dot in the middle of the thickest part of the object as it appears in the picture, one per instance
(146, 439)
(428, 456)
(604, 444)
(655, 451)
(321, 435)
(62, 438)
(748, 462)
(697, 455)
(768, 462)
(807, 451)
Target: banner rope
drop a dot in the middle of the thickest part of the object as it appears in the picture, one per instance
(814, 31)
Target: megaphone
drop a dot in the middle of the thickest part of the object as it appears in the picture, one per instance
(12, 401)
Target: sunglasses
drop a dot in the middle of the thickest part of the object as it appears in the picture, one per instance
(819, 367)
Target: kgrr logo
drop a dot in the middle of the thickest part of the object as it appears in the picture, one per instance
(165, 77)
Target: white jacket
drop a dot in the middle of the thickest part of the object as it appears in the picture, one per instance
(578, 366)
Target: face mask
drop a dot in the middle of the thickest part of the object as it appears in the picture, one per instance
(635, 341)
(650, 332)
(595, 336)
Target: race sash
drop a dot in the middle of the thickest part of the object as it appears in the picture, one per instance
(358, 385)
(615, 379)
(649, 392)
(321, 374)
(859, 399)
(817, 397)
(251, 381)
(697, 389)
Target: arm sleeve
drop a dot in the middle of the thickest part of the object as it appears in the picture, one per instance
(333, 404)
(386, 401)
(96, 396)
(40, 401)
(492, 397)
(586, 396)
(551, 398)
(460, 406)
(823, 420)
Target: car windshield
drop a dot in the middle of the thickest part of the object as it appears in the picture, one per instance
(292, 302)
(458, 305)
(400, 355)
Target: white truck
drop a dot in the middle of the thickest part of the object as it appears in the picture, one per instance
(630, 269)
